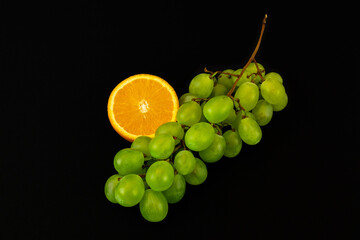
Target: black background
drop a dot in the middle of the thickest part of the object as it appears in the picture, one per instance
(59, 64)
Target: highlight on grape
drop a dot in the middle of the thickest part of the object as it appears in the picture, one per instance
(221, 111)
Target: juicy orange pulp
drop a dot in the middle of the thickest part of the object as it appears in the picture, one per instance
(140, 104)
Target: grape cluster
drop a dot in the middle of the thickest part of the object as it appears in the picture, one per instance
(212, 122)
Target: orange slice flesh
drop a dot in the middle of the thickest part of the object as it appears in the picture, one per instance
(140, 104)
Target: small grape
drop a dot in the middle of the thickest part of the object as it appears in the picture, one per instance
(141, 144)
(248, 94)
(231, 117)
(153, 206)
(128, 161)
(162, 146)
(172, 128)
(177, 190)
(130, 190)
(215, 151)
(219, 89)
(225, 79)
(186, 97)
(249, 131)
(184, 162)
(201, 85)
(272, 91)
(199, 175)
(110, 186)
(189, 113)
(273, 75)
(160, 176)
(199, 136)
(280, 106)
(233, 144)
(263, 112)
(218, 108)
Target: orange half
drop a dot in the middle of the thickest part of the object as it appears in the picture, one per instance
(138, 105)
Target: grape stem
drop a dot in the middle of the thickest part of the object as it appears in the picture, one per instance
(177, 148)
(252, 56)
(258, 71)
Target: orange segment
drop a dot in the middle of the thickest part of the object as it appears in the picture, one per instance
(140, 104)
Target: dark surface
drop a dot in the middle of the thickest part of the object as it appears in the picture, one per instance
(60, 63)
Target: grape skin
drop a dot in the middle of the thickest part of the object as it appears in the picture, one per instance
(263, 112)
(128, 161)
(233, 143)
(199, 175)
(272, 91)
(160, 176)
(218, 108)
(189, 113)
(110, 186)
(130, 190)
(199, 136)
(172, 128)
(162, 146)
(201, 85)
(177, 190)
(184, 162)
(153, 206)
(215, 151)
(248, 94)
(280, 106)
(142, 144)
(249, 131)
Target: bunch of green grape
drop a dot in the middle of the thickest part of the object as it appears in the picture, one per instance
(211, 123)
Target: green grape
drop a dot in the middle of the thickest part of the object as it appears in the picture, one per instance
(240, 115)
(153, 206)
(233, 144)
(130, 190)
(142, 144)
(162, 146)
(248, 94)
(219, 89)
(253, 70)
(218, 108)
(160, 176)
(172, 128)
(249, 131)
(184, 162)
(199, 136)
(215, 151)
(128, 161)
(186, 97)
(110, 186)
(244, 78)
(280, 106)
(263, 112)
(189, 113)
(225, 79)
(177, 190)
(273, 75)
(273, 91)
(201, 85)
(231, 117)
(199, 175)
